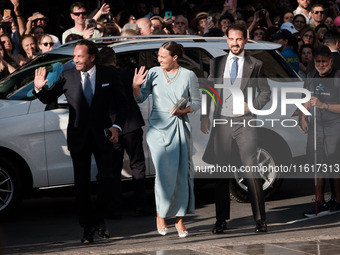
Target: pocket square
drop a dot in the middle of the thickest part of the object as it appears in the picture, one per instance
(105, 84)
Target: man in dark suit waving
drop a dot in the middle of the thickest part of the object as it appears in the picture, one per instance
(93, 100)
(240, 71)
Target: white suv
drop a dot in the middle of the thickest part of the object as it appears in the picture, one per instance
(33, 150)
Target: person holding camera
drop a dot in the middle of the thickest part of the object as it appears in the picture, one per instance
(79, 15)
(261, 18)
(39, 20)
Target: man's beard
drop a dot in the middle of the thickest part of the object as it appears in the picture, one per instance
(238, 50)
(324, 71)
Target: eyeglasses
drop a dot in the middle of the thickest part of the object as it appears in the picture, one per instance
(317, 12)
(178, 23)
(79, 13)
(258, 34)
(48, 43)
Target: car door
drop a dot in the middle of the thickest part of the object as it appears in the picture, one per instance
(50, 156)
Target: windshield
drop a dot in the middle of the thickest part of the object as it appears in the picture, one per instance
(19, 85)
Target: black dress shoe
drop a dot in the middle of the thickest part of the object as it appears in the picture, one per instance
(261, 226)
(88, 235)
(219, 227)
(103, 232)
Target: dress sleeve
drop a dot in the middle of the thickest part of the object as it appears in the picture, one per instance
(194, 93)
(145, 89)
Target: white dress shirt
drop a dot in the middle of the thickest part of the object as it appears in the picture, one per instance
(92, 72)
(227, 106)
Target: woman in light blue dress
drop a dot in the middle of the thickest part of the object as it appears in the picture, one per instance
(169, 134)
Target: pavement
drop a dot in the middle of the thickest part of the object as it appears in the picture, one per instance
(289, 233)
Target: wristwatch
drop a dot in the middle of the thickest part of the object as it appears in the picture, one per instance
(326, 107)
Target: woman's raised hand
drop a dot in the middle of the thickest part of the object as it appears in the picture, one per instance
(139, 77)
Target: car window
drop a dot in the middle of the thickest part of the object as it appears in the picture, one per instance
(129, 59)
(19, 85)
(273, 65)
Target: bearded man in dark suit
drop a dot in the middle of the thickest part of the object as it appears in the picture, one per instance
(240, 71)
(93, 98)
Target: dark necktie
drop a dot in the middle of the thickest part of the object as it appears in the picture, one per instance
(88, 89)
(234, 70)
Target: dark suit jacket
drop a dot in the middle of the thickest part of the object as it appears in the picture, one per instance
(336, 60)
(134, 118)
(252, 69)
(108, 106)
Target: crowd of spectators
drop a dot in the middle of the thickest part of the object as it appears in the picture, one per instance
(24, 35)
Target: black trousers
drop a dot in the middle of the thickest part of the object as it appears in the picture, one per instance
(89, 213)
(245, 137)
(132, 142)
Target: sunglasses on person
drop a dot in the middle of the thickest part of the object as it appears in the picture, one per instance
(79, 13)
(48, 43)
(258, 33)
(180, 23)
(317, 12)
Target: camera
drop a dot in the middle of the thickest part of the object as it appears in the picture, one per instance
(262, 13)
(108, 18)
(91, 23)
(107, 133)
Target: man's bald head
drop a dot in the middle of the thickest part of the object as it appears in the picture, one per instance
(144, 25)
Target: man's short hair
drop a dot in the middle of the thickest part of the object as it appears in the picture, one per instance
(227, 16)
(238, 27)
(107, 56)
(91, 49)
(317, 5)
(77, 4)
(323, 51)
(181, 16)
(73, 37)
(331, 38)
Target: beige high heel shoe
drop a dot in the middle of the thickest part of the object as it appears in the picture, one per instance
(163, 230)
(183, 233)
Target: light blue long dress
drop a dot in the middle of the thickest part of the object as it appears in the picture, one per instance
(169, 140)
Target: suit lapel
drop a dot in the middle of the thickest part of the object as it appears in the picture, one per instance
(99, 74)
(220, 73)
(78, 89)
(248, 68)
(221, 67)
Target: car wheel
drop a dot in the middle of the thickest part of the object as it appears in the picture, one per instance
(10, 186)
(272, 181)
